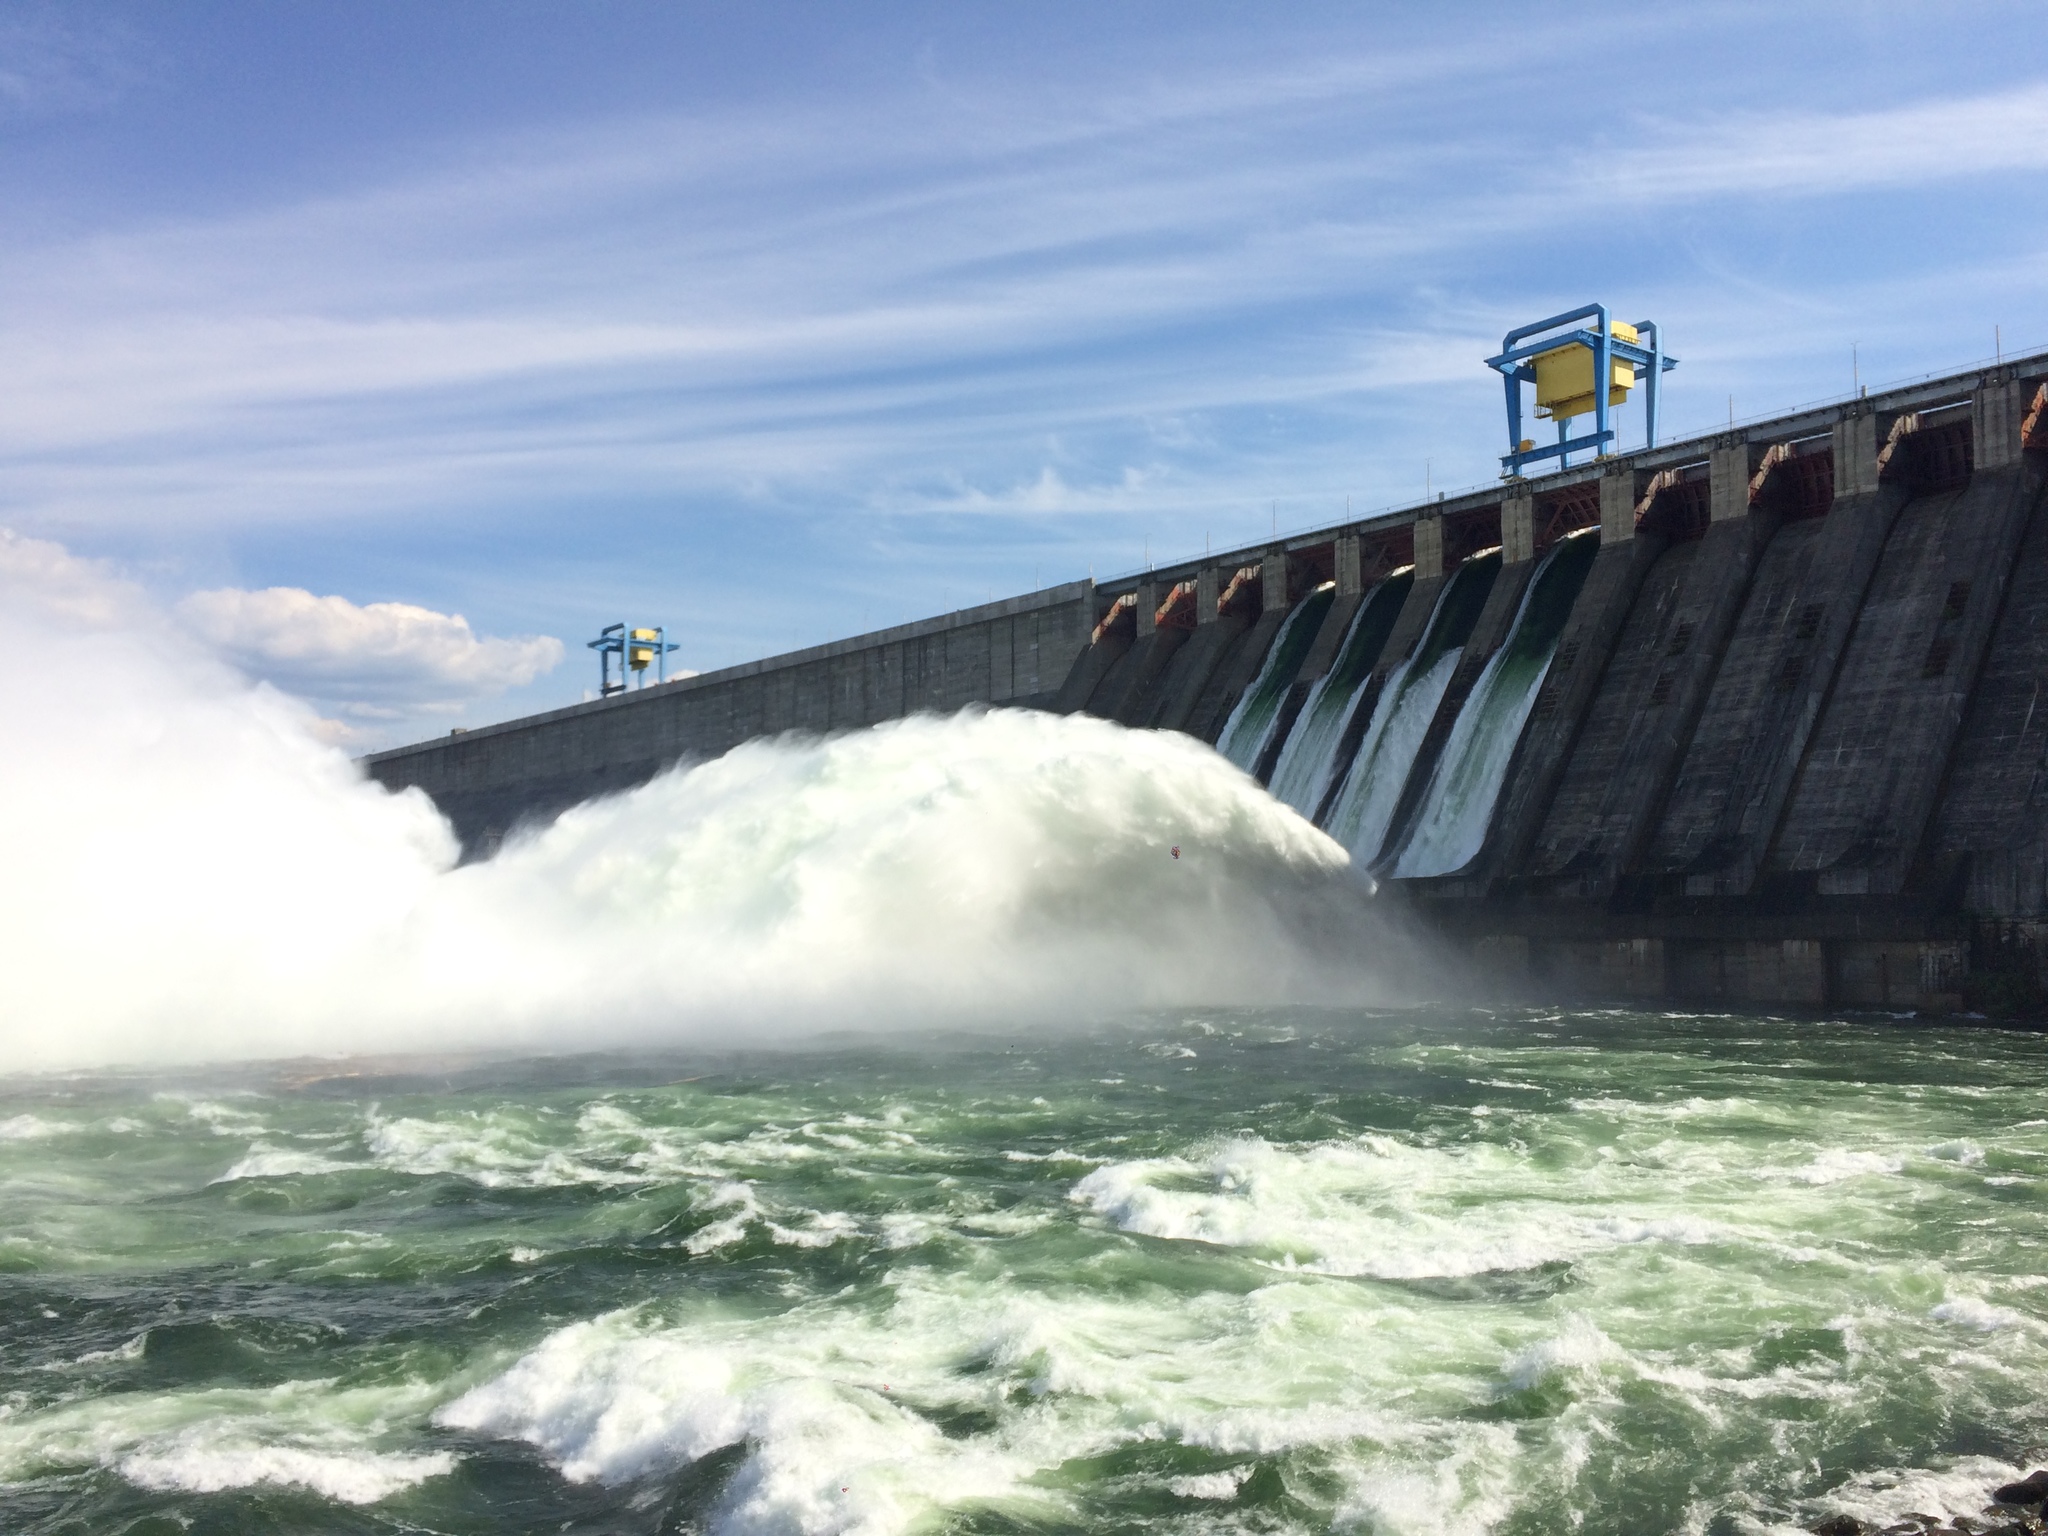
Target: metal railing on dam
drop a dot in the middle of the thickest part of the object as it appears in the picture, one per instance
(1753, 717)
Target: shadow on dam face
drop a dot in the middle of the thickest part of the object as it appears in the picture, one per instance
(1779, 744)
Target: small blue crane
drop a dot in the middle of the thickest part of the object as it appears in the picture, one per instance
(636, 649)
(1563, 369)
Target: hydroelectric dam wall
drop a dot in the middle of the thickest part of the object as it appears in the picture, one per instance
(1754, 718)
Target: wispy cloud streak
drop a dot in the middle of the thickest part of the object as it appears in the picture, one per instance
(1014, 296)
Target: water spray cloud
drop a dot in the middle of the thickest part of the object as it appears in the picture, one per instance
(194, 875)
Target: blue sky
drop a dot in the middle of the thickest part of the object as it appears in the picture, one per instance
(774, 322)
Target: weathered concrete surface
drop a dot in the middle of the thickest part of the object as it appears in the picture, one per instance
(1710, 595)
(1518, 530)
(1192, 670)
(1550, 740)
(1570, 847)
(1129, 698)
(1780, 664)
(1866, 792)
(1641, 721)
(1991, 833)
(1336, 625)
(1601, 792)
(1876, 709)
(1088, 671)
(1775, 970)
(1237, 663)
(1110, 695)
(1411, 622)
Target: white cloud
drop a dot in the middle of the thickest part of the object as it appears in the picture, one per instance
(378, 661)
(83, 592)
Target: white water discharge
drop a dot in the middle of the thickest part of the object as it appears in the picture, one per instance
(1400, 720)
(1252, 723)
(1466, 782)
(1301, 777)
(192, 874)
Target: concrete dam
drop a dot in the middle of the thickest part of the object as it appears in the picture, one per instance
(1752, 718)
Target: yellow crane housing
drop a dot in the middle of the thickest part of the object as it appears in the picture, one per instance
(1563, 368)
(636, 650)
(1564, 377)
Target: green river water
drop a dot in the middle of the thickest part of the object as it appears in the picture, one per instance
(1190, 1271)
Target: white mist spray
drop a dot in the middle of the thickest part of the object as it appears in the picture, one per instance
(193, 875)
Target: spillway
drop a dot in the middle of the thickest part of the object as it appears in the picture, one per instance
(1458, 805)
(1748, 718)
(1364, 807)
(1309, 757)
(1258, 713)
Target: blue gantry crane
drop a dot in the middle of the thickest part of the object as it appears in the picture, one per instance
(1563, 365)
(636, 650)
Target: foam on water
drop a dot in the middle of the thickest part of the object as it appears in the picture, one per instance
(303, 1434)
(1232, 1372)
(830, 1448)
(1888, 1496)
(1833, 1164)
(204, 1467)
(30, 1128)
(1377, 1207)
(1969, 1312)
(1057, 1288)
(263, 1161)
(837, 1415)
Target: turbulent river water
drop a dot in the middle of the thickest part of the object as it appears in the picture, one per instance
(1187, 1270)
(1002, 1123)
